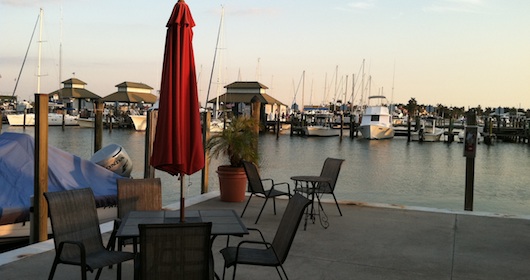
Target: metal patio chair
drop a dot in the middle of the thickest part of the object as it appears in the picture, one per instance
(76, 233)
(255, 184)
(175, 251)
(271, 254)
(135, 195)
(330, 169)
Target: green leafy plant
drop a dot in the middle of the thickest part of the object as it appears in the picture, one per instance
(238, 141)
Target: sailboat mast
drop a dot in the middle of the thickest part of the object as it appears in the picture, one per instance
(303, 89)
(61, 57)
(40, 50)
(214, 58)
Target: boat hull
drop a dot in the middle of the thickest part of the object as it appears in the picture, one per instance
(376, 132)
(321, 131)
(84, 122)
(54, 119)
(427, 136)
(139, 121)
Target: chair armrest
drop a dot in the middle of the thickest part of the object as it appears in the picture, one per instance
(82, 251)
(283, 183)
(267, 244)
(259, 231)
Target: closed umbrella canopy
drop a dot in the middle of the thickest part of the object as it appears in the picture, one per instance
(178, 146)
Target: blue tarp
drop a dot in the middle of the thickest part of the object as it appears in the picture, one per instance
(65, 172)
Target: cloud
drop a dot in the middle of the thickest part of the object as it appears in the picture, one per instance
(455, 6)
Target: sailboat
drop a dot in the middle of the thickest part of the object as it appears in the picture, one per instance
(28, 119)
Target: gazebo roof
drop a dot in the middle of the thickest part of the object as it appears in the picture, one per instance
(131, 92)
(130, 97)
(246, 85)
(75, 88)
(79, 93)
(239, 98)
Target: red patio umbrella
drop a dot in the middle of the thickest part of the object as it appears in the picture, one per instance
(178, 147)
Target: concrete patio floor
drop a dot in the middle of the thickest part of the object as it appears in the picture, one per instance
(367, 242)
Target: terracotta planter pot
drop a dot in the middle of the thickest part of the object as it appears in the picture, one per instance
(232, 183)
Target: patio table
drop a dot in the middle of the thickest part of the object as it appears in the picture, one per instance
(224, 222)
(311, 184)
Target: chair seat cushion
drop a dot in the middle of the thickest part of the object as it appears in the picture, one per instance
(322, 189)
(274, 193)
(101, 259)
(255, 256)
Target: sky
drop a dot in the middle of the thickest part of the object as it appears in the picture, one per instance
(462, 53)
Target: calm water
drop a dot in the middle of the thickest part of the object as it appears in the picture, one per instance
(390, 171)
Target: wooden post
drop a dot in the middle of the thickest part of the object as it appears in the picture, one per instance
(25, 116)
(39, 226)
(341, 125)
(206, 120)
(470, 165)
(256, 105)
(63, 124)
(98, 125)
(408, 128)
(450, 135)
(278, 124)
(152, 119)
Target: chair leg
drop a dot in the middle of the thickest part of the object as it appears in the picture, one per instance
(248, 201)
(262, 207)
(54, 267)
(274, 204)
(284, 273)
(99, 274)
(83, 272)
(336, 203)
(234, 275)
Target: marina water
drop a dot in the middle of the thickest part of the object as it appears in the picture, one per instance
(385, 171)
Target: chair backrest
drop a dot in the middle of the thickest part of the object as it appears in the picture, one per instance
(74, 217)
(254, 179)
(331, 169)
(138, 195)
(175, 251)
(289, 225)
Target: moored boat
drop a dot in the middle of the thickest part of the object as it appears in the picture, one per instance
(320, 124)
(54, 119)
(428, 131)
(376, 122)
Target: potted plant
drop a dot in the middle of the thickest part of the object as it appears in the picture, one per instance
(238, 141)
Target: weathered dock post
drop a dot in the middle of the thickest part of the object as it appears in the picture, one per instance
(450, 135)
(470, 149)
(151, 119)
(351, 125)
(98, 125)
(39, 224)
(341, 125)
(409, 128)
(256, 105)
(278, 125)
(206, 120)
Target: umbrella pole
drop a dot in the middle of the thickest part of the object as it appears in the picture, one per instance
(182, 218)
